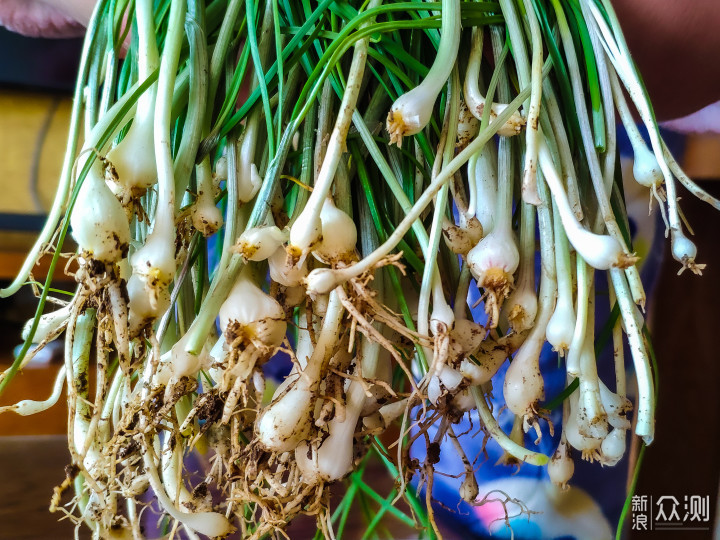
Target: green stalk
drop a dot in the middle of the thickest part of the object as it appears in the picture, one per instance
(102, 135)
(505, 442)
(198, 96)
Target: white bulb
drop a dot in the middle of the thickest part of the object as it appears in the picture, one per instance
(561, 326)
(321, 281)
(283, 271)
(561, 466)
(133, 160)
(339, 234)
(259, 243)
(260, 317)
(410, 113)
(98, 220)
(646, 169)
(612, 448)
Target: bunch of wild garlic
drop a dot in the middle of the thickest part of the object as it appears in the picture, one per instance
(323, 180)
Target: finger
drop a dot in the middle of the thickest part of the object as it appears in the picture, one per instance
(35, 18)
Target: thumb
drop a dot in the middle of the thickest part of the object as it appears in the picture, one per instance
(36, 18)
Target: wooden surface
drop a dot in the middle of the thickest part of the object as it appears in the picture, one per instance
(702, 157)
(33, 383)
(12, 261)
(29, 468)
(33, 132)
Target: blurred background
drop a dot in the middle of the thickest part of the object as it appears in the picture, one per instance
(36, 80)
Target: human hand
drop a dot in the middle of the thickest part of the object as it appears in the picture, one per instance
(46, 18)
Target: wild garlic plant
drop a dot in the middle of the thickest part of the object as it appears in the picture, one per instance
(326, 182)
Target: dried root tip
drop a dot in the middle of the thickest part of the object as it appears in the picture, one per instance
(690, 264)
(590, 455)
(396, 127)
(71, 472)
(626, 260)
(497, 284)
(517, 318)
(514, 125)
(530, 420)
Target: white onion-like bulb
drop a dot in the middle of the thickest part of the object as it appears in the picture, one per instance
(561, 466)
(206, 217)
(598, 250)
(321, 281)
(49, 324)
(469, 488)
(259, 243)
(99, 224)
(287, 421)
(524, 385)
(684, 251)
(449, 378)
(334, 458)
(468, 335)
(646, 169)
(339, 234)
(494, 260)
(612, 448)
(468, 126)
(592, 418)
(221, 170)
(144, 307)
(178, 363)
(154, 263)
(305, 233)
(561, 326)
(682, 247)
(442, 317)
(616, 407)
(411, 112)
(249, 182)
(586, 445)
(483, 372)
(464, 401)
(283, 271)
(259, 315)
(434, 390)
(133, 159)
(521, 308)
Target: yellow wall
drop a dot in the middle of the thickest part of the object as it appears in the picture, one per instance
(22, 114)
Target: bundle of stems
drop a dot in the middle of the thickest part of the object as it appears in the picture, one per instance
(323, 180)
